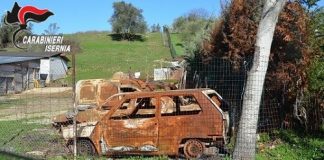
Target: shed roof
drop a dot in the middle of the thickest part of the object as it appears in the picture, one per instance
(12, 57)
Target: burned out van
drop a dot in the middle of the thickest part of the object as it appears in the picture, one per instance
(159, 123)
(90, 96)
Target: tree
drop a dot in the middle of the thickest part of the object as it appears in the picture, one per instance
(190, 24)
(155, 28)
(158, 28)
(233, 39)
(196, 14)
(6, 33)
(178, 24)
(127, 20)
(52, 29)
(246, 137)
(316, 74)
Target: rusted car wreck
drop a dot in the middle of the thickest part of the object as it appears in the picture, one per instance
(91, 94)
(156, 123)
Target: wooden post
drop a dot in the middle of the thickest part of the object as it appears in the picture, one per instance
(74, 108)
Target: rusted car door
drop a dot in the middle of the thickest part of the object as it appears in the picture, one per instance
(179, 117)
(133, 126)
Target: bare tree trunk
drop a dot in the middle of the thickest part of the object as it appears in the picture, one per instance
(246, 138)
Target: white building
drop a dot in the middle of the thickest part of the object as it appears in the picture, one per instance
(18, 71)
(53, 68)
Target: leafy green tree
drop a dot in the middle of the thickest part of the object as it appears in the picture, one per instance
(179, 24)
(127, 20)
(191, 23)
(316, 40)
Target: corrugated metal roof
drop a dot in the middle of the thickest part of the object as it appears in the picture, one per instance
(10, 59)
(29, 54)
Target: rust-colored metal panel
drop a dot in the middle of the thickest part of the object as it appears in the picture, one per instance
(95, 92)
(105, 90)
(144, 121)
(163, 133)
(86, 91)
(131, 132)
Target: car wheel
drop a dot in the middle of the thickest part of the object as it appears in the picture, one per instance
(193, 148)
(85, 148)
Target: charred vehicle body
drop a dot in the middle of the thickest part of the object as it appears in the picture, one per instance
(156, 123)
(90, 97)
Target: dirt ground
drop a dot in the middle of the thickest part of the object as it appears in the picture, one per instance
(36, 103)
(27, 119)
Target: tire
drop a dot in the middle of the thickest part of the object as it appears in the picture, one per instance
(85, 148)
(193, 149)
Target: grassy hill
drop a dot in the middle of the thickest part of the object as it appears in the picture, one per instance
(177, 43)
(101, 56)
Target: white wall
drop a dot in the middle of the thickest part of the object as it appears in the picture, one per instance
(44, 66)
(55, 67)
(162, 74)
(58, 68)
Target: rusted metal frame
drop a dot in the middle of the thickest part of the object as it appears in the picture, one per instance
(210, 100)
(155, 120)
(157, 114)
(185, 118)
(163, 93)
(95, 137)
(206, 108)
(158, 107)
(118, 105)
(99, 89)
(220, 110)
(174, 146)
(158, 117)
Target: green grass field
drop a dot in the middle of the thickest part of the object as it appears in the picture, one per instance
(15, 135)
(101, 56)
(177, 43)
(289, 145)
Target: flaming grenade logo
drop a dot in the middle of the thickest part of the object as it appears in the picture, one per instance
(22, 15)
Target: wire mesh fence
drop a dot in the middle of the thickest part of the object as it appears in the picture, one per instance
(153, 107)
(26, 121)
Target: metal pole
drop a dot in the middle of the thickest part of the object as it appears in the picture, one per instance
(74, 108)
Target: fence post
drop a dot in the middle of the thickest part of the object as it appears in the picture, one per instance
(170, 45)
(74, 108)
